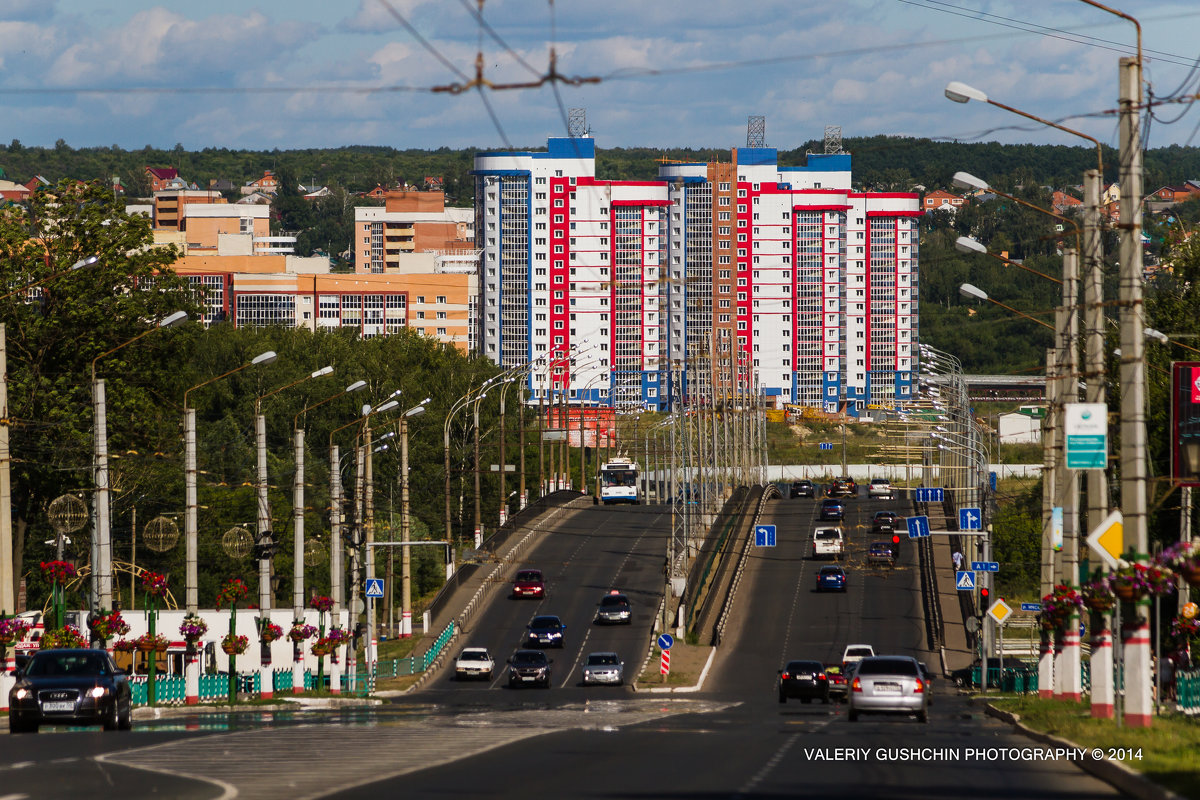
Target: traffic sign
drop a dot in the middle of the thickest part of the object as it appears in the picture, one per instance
(1031, 606)
(965, 581)
(970, 519)
(985, 566)
(665, 640)
(665, 662)
(764, 535)
(929, 495)
(1000, 611)
(918, 527)
(374, 587)
(1086, 429)
(1107, 540)
(826, 445)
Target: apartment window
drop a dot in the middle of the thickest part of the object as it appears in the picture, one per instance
(441, 298)
(723, 187)
(420, 298)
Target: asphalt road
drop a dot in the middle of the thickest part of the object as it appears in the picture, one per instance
(733, 740)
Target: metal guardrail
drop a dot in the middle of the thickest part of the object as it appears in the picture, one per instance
(1187, 691)
(771, 491)
(430, 655)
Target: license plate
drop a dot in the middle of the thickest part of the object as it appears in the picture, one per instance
(58, 707)
(887, 688)
(529, 677)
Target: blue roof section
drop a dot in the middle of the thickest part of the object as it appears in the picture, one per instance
(565, 147)
(820, 162)
(757, 156)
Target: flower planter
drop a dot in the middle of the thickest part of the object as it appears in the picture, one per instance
(1099, 606)
(145, 647)
(161, 648)
(6, 639)
(1191, 573)
(1127, 591)
(230, 650)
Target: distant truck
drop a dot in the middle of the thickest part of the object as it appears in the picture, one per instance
(828, 543)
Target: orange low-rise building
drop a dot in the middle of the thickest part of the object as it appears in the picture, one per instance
(409, 222)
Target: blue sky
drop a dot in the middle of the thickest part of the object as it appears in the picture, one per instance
(675, 73)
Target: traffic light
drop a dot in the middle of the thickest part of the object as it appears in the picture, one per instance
(264, 547)
(983, 594)
(895, 538)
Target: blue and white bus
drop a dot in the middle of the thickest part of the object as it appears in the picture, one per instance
(619, 482)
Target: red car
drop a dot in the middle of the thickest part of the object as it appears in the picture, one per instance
(529, 583)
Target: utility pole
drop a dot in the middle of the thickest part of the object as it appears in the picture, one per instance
(335, 557)
(8, 577)
(1139, 709)
(405, 551)
(298, 551)
(1046, 672)
(1071, 682)
(266, 542)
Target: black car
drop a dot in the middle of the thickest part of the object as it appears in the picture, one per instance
(803, 488)
(614, 609)
(544, 630)
(881, 553)
(805, 680)
(832, 510)
(70, 687)
(886, 517)
(529, 668)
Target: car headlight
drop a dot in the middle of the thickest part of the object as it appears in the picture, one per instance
(99, 691)
(21, 693)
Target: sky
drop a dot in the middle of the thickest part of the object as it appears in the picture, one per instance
(650, 73)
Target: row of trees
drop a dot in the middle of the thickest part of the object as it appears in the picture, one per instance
(53, 335)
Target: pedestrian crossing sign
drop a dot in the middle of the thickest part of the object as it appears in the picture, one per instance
(965, 581)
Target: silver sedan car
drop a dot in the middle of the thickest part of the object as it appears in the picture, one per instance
(606, 668)
(889, 685)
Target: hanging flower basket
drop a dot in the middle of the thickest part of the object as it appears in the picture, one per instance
(270, 632)
(58, 571)
(107, 626)
(145, 643)
(299, 632)
(322, 647)
(1140, 580)
(124, 646)
(1098, 594)
(1184, 559)
(233, 590)
(154, 584)
(63, 638)
(1059, 605)
(193, 628)
(234, 644)
(12, 630)
(321, 603)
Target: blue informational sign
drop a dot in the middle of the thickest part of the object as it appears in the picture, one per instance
(992, 479)
(826, 445)
(764, 535)
(964, 581)
(930, 495)
(374, 587)
(918, 527)
(970, 519)
(1031, 606)
(985, 566)
(665, 641)
(1082, 629)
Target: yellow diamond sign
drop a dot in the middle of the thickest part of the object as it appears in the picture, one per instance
(1000, 611)
(1107, 540)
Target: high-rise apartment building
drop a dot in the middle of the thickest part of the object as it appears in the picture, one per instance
(785, 273)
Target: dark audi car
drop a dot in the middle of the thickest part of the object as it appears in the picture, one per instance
(70, 687)
(803, 488)
(545, 630)
(805, 680)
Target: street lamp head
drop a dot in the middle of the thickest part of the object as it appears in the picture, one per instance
(388, 406)
(85, 262)
(965, 244)
(415, 412)
(264, 358)
(965, 180)
(323, 371)
(354, 387)
(961, 93)
(173, 319)
(1156, 335)
(972, 292)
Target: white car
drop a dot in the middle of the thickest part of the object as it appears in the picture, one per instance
(474, 662)
(881, 488)
(855, 653)
(607, 668)
(828, 543)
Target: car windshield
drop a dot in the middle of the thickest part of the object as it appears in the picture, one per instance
(52, 664)
(529, 658)
(602, 659)
(861, 652)
(529, 575)
(544, 622)
(619, 477)
(613, 600)
(887, 666)
(474, 655)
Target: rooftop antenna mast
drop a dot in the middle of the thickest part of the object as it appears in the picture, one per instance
(756, 131)
(833, 140)
(577, 127)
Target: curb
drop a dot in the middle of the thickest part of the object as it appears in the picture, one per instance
(306, 704)
(1114, 773)
(699, 685)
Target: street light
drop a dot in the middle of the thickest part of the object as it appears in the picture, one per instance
(102, 547)
(190, 523)
(975, 293)
(965, 244)
(405, 551)
(83, 262)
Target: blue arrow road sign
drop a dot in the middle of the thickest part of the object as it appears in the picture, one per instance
(374, 587)
(918, 527)
(929, 495)
(665, 641)
(1031, 606)
(764, 536)
(826, 445)
(969, 519)
(985, 566)
(964, 581)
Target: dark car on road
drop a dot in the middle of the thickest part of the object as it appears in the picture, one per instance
(614, 609)
(544, 630)
(70, 687)
(804, 680)
(831, 579)
(529, 668)
(883, 553)
(832, 510)
(803, 488)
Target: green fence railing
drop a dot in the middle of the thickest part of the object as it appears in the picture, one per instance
(1187, 691)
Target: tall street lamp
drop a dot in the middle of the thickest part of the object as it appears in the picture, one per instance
(405, 550)
(298, 533)
(190, 523)
(102, 548)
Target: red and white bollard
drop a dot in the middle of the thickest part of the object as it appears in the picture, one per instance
(665, 663)
(1139, 704)
(1102, 670)
(1072, 662)
(1046, 668)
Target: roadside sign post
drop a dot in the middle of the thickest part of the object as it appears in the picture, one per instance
(665, 641)
(764, 535)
